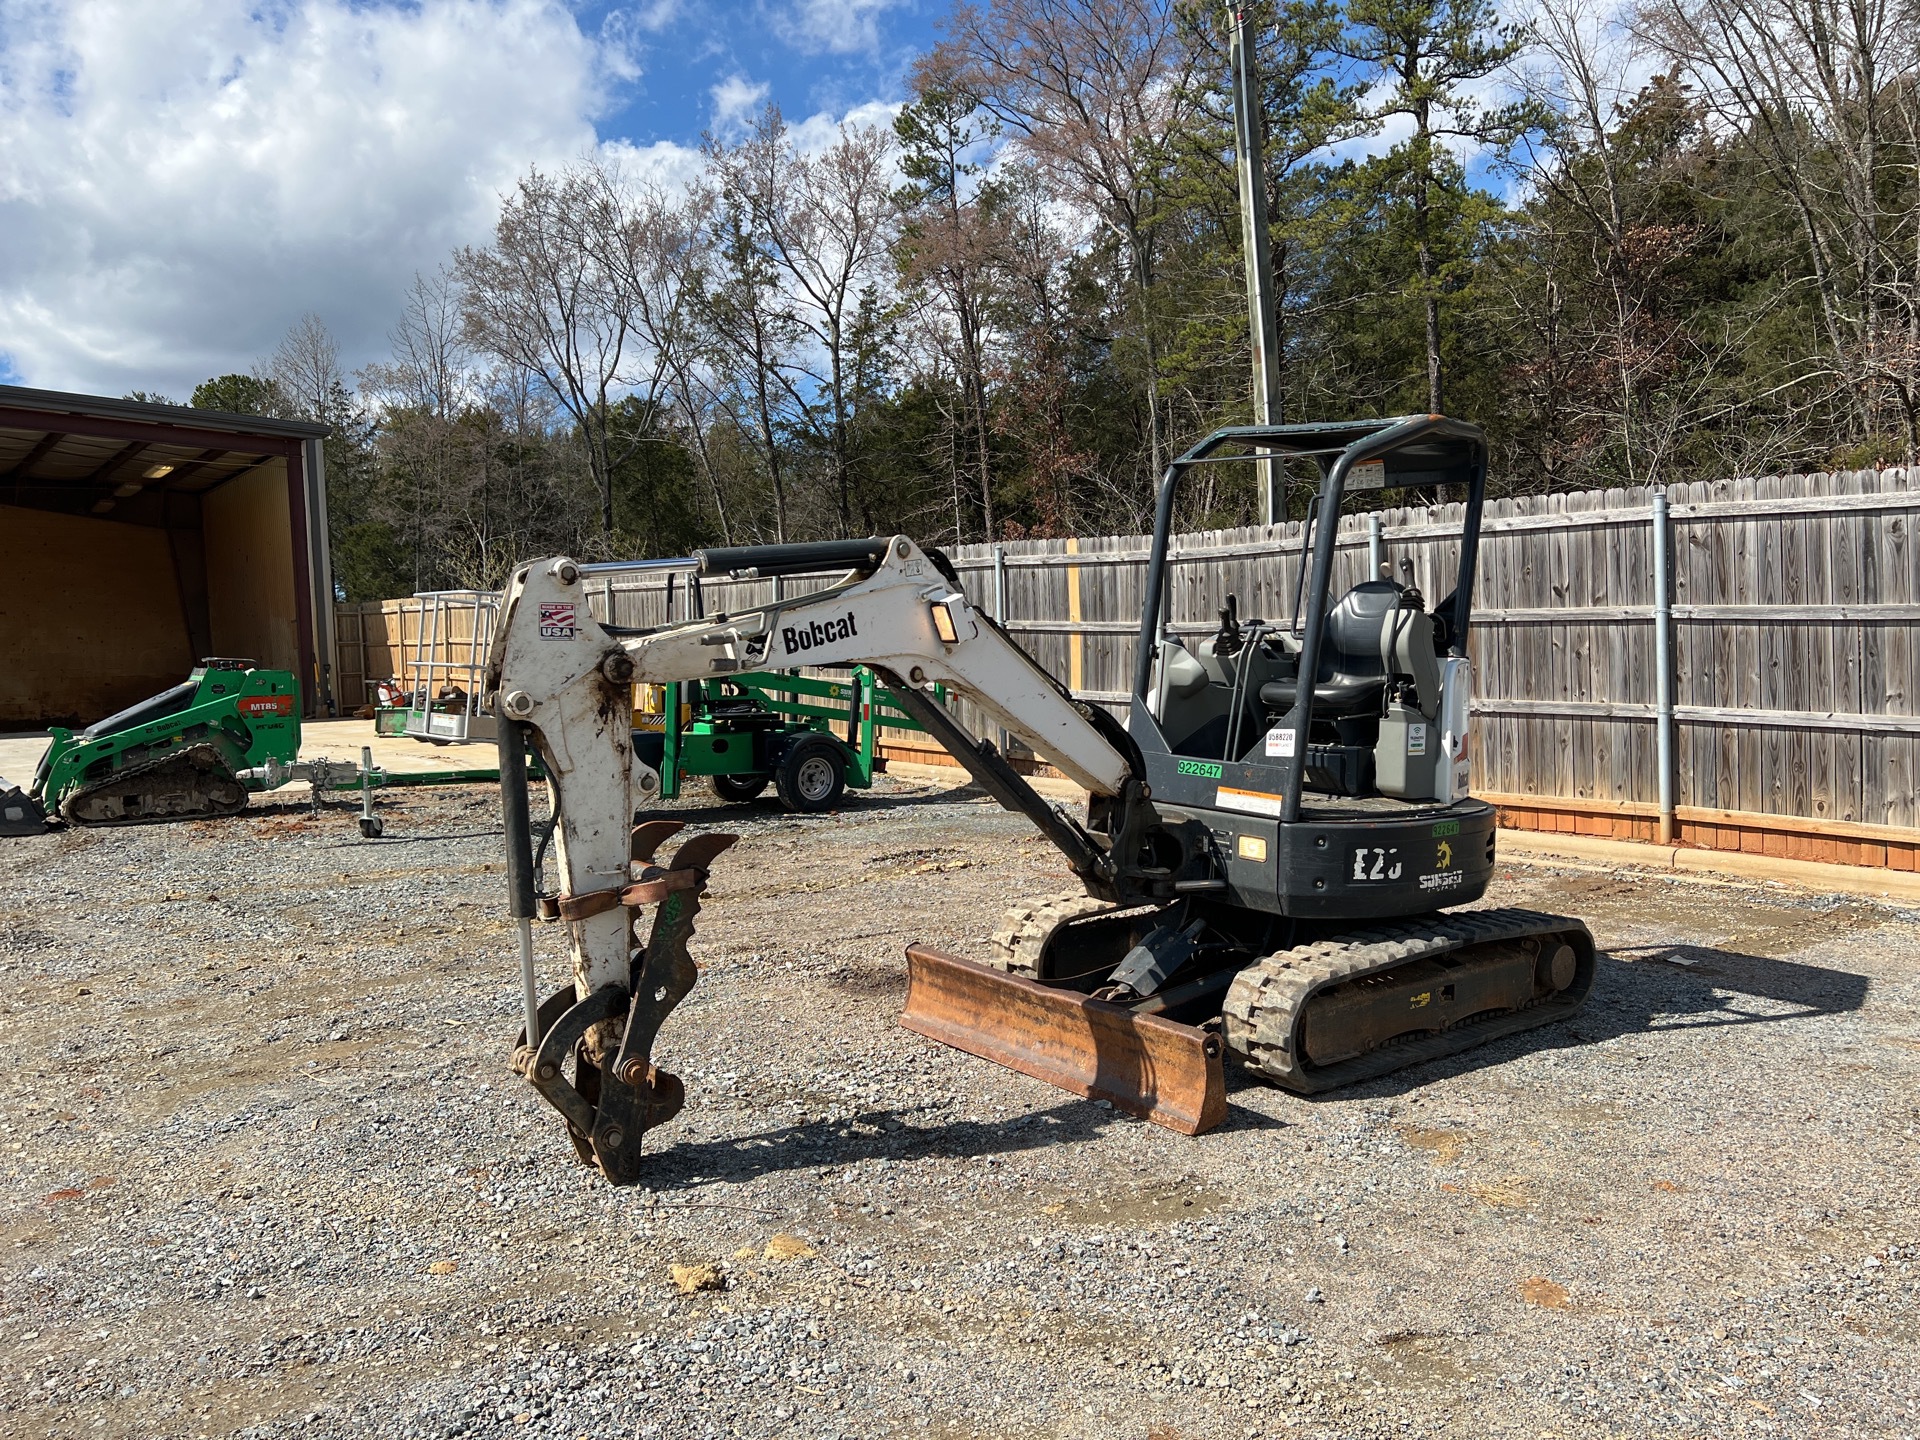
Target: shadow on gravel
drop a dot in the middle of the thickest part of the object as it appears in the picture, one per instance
(1647, 989)
(769, 809)
(359, 841)
(828, 1143)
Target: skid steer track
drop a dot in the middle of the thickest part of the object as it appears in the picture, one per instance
(1379, 1008)
(189, 784)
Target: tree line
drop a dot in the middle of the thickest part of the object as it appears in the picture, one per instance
(1672, 243)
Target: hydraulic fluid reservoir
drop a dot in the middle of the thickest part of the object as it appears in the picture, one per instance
(1451, 774)
(1403, 760)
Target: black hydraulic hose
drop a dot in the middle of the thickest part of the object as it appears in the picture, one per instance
(1237, 696)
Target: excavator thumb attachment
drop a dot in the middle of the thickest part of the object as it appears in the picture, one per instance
(1145, 1065)
(614, 1097)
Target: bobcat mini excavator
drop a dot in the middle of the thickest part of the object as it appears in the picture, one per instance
(1269, 841)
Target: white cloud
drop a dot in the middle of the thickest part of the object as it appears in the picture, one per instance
(663, 164)
(179, 182)
(734, 101)
(819, 131)
(656, 15)
(839, 27)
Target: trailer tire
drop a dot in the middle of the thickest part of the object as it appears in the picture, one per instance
(812, 775)
(738, 789)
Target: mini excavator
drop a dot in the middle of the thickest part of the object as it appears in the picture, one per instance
(1273, 844)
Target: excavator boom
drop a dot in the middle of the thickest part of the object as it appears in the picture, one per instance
(562, 684)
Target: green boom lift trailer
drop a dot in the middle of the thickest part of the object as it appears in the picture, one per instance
(761, 728)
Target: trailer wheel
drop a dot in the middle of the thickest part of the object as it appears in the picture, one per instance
(738, 789)
(812, 775)
(371, 826)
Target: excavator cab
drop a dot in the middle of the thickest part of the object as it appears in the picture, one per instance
(1312, 815)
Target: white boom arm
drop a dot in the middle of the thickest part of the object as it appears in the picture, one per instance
(568, 680)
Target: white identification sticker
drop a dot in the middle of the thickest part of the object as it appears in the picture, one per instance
(1416, 739)
(1368, 475)
(1282, 741)
(1253, 802)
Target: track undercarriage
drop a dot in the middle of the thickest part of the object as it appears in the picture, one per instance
(194, 783)
(1329, 1009)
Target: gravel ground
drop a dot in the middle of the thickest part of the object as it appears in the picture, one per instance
(268, 1176)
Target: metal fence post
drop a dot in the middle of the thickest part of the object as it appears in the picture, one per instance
(1000, 611)
(1663, 660)
(1376, 546)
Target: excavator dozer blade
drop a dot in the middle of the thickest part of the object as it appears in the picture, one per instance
(1145, 1065)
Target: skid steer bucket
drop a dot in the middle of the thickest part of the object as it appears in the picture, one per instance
(20, 813)
(1148, 1066)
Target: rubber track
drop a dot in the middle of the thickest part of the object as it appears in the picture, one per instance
(1025, 929)
(134, 772)
(1268, 1000)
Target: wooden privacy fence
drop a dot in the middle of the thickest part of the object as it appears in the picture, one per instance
(1793, 601)
(380, 640)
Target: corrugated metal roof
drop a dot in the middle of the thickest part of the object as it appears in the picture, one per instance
(107, 407)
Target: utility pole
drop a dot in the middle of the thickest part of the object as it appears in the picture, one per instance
(1253, 242)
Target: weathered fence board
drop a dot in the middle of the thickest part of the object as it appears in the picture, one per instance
(1795, 600)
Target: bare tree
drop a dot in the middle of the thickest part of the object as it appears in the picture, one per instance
(1094, 92)
(582, 289)
(949, 249)
(431, 369)
(750, 328)
(305, 366)
(1814, 87)
(1582, 79)
(420, 394)
(823, 227)
(1031, 311)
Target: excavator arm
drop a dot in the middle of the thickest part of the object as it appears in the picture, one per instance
(562, 686)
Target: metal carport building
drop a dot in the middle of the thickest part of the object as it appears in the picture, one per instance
(139, 538)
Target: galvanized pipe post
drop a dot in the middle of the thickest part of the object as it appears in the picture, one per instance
(1663, 660)
(1000, 608)
(1376, 547)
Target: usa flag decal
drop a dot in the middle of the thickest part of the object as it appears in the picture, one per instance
(556, 620)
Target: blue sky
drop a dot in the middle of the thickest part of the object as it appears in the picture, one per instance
(179, 182)
(823, 58)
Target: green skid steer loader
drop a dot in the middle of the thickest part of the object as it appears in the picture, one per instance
(193, 752)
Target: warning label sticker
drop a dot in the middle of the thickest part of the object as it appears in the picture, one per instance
(556, 620)
(1252, 802)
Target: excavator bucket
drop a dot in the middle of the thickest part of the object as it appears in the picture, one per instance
(1145, 1065)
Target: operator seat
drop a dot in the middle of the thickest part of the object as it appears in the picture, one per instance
(154, 707)
(1365, 642)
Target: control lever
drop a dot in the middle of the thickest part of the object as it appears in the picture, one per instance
(1227, 642)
